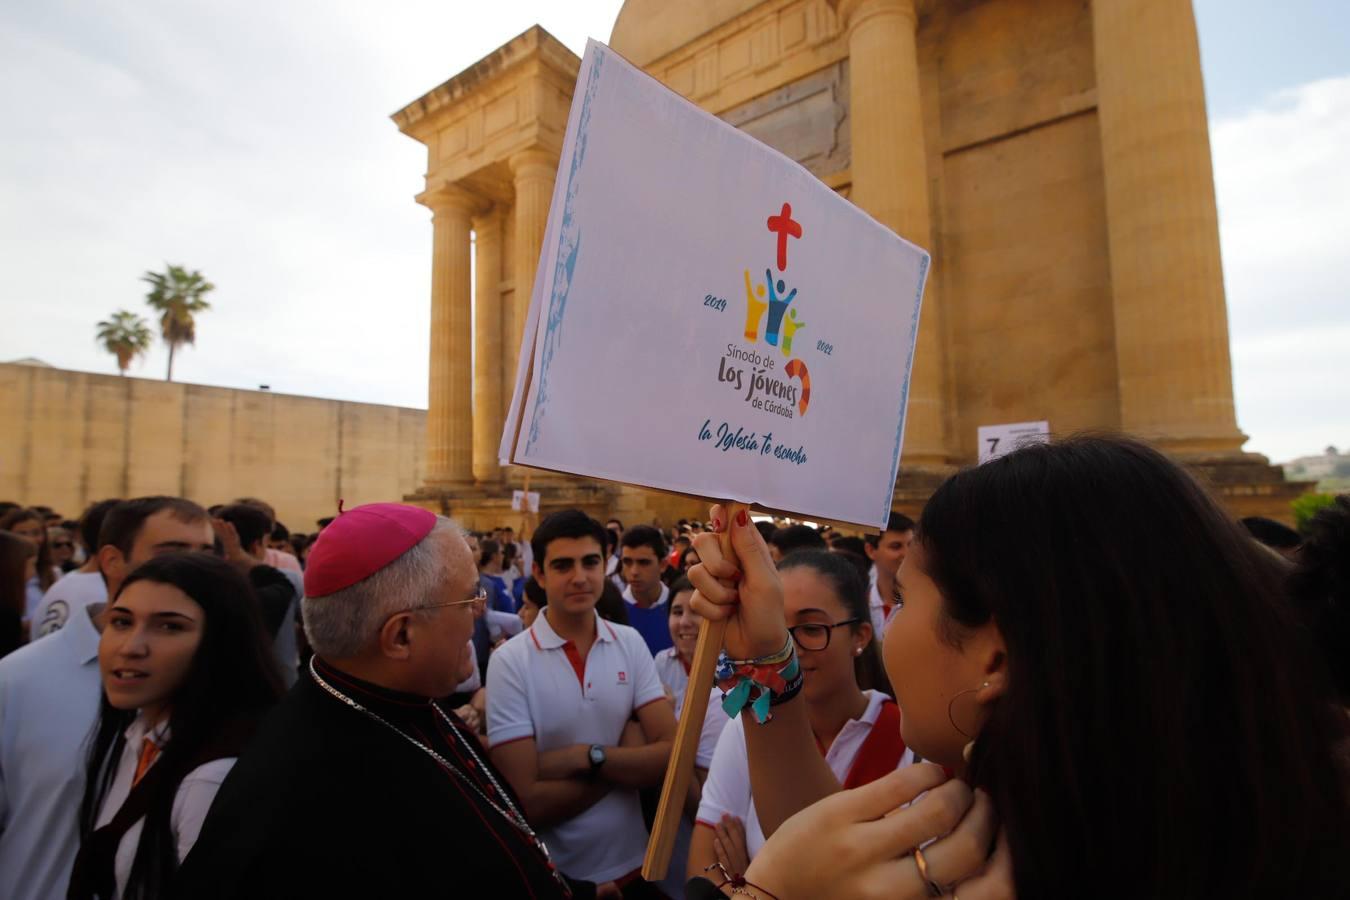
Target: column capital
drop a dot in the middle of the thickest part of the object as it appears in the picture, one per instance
(449, 199)
(481, 219)
(853, 13)
(534, 161)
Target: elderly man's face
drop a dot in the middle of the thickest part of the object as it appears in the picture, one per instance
(443, 639)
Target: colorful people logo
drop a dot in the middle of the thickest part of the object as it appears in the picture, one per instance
(781, 321)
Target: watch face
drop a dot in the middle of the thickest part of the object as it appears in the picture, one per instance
(597, 756)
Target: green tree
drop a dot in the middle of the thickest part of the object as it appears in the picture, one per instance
(176, 296)
(1307, 506)
(126, 336)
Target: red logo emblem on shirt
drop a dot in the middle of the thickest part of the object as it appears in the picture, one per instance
(623, 678)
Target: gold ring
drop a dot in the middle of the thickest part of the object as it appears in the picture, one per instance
(934, 890)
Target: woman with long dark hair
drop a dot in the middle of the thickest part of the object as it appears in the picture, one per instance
(1320, 586)
(187, 674)
(17, 559)
(1088, 640)
(32, 525)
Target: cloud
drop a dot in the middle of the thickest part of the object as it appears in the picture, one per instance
(251, 140)
(1282, 175)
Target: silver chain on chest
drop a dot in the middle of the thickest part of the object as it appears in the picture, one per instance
(512, 814)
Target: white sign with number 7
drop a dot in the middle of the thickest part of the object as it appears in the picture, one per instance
(1000, 440)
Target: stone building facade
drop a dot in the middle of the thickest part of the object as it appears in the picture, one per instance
(1053, 155)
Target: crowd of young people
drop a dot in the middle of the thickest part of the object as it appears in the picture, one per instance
(1014, 695)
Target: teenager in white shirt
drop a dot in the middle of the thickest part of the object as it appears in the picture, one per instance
(49, 694)
(559, 697)
(856, 730)
(672, 667)
(187, 674)
(887, 551)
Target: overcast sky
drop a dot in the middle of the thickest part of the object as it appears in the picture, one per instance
(251, 140)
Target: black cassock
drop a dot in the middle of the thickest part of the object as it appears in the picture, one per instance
(328, 802)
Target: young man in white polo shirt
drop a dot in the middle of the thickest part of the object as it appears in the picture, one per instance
(558, 697)
(887, 551)
(49, 696)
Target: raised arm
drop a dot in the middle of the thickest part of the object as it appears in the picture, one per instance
(787, 771)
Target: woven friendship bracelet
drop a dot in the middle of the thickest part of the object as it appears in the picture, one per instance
(757, 686)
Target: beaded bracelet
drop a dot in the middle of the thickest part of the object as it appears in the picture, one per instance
(788, 650)
(739, 886)
(758, 685)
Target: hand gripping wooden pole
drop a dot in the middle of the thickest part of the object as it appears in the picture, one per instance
(681, 766)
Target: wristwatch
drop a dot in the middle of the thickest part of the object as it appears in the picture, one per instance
(597, 757)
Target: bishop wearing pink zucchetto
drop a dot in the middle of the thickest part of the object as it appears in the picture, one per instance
(363, 782)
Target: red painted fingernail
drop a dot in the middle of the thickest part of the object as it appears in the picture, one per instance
(742, 518)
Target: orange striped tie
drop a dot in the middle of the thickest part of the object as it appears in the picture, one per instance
(149, 750)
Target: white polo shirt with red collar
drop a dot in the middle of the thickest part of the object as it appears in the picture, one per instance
(539, 686)
(727, 790)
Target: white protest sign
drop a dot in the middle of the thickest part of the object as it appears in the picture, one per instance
(756, 329)
(999, 440)
(522, 501)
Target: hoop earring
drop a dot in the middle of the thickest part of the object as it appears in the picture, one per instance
(951, 719)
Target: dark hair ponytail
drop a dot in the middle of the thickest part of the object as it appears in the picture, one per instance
(232, 681)
(851, 589)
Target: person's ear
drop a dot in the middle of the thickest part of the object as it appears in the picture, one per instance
(862, 637)
(396, 636)
(538, 571)
(870, 551)
(113, 566)
(990, 654)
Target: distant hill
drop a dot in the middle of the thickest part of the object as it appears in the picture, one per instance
(1330, 469)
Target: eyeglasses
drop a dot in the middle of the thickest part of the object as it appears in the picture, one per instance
(816, 635)
(63, 545)
(479, 597)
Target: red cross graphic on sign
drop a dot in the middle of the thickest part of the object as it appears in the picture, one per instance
(783, 226)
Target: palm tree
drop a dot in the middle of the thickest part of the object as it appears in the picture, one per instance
(176, 295)
(126, 336)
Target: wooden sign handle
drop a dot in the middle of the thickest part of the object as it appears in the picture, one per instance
(682, 756)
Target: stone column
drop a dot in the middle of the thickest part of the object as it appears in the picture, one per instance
(487, 366)
(1171, 320)
(890, 181)
(449, 437)
(533, 172)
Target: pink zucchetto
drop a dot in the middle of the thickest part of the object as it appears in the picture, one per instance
(360, 542)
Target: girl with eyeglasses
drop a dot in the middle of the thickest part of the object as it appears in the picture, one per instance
(857, 731)
(188, 673)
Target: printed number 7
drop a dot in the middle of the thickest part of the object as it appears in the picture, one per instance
(993, 445)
